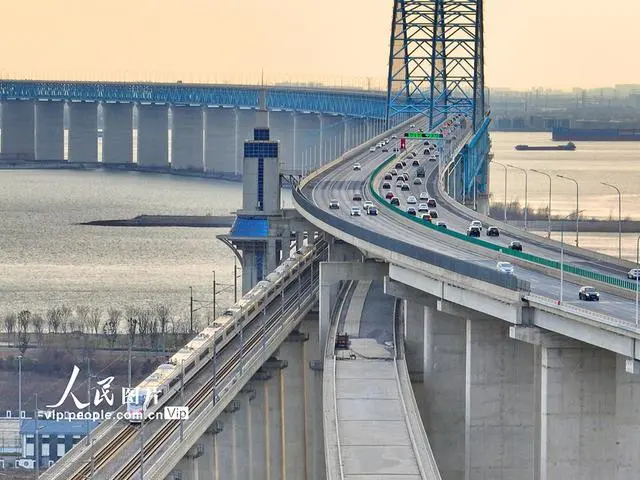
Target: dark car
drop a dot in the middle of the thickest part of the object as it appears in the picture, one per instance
(405, 188)
(388, 176)
(398, 166)
(441, 225)
(385, 149)
(395, 201)
(433, 214)
(588, 293)
(432, 203)
(389, 195)
(473, 232)
(411, 211)
(493, 232)
(386, 185)
(415, 163)
(372, 211)
(357, 197)
(515, 246)
(420, 172)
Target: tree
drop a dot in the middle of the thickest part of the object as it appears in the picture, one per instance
(145, 323)
(10, 322)
(24, 320)
(110, 328)
(82, 316)
(53, 319)
(132, 319)
(66, 319)
(95, 317)
(163, 314)
(38, 326)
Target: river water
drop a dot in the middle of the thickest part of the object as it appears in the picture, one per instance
(46, 259)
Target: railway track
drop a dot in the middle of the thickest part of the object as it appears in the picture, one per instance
(200, 397)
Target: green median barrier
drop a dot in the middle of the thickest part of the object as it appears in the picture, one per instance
(581, 272)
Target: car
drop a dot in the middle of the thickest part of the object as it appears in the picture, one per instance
(394, 172)
(355, 211)
(424, 196)
(405, 175)
(423, 207)
(388, 176)
(515, 246)
(426, 217)
(433, 213)
(426, 151)
(334, 204)
(473, 232)
(394, 137)
(411, 211)
(415, 154)
(395, 201)
(372, 210)
(634, 274)
(398, 166)
(426, 142)
(404, 164)
(399, 183)
(476, 223)
(417, 181)
(587, 293)
(386, 186)
(415, 163)
(395, 149)
(385, 149)
(432, 158)
(367, 204)
(405, 188)
(493, 232)
(420, 172)
(412, 125)
(411, 200)
(372, 149)
(357, 197)
(389, 195)
(357, 167)
(386, 140)
(504, 267)
(432, 203)
(441, 224)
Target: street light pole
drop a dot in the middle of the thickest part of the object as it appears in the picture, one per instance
(190, 309)
(20, 386)
(562, 253)
(549, 206)
(637, 275)
(505, 187)
(526, 197)
(619, 216)
(577, 205)
(214, 296)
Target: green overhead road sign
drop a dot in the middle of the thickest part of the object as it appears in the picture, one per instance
(433, 136)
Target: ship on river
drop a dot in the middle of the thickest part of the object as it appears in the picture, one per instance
(569, 146)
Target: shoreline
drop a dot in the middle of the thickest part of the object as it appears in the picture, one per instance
(200, 221)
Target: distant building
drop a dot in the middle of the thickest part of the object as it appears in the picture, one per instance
(54, 438)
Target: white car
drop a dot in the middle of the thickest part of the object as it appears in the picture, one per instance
(357, 167)
(367, 204)
(423, 207)
(412, 200)
(476, 223)
(355, 211)
(504, 267)
(424, 196)
(634, 273)
(372, 149)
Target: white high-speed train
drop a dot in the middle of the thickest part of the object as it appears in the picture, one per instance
(158, 387)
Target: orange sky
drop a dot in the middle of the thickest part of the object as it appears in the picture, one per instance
(529, 43)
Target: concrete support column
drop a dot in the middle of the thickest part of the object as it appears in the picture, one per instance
(260, 427)
(444, 388)
(414, 318)
(117, 141)
(153, 136)
(50, 131)
(578, 414)
(187, 138)
(299, 240)
(500, 403)
(271, 257)
(83, 132)
(294, 134)
(281, 128)
(18, 129)
(274, 411)
(321, 142)
(627, 422)
(244, 452)
(220, 149)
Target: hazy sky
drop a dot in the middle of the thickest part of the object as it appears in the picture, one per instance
(528, 43)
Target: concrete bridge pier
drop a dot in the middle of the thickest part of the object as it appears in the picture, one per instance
(201, 460)
(153, 135)
(281, 126)
(117, 141)
(187, 133)
(83, 132)
(18, 129)
(49, 131)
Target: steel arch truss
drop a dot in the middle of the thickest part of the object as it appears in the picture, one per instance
(436, 60)
(340, 102)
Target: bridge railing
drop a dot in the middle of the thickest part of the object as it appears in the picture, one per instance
(410, 250)
(554, 264)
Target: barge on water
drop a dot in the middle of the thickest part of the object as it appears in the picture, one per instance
(569, 146)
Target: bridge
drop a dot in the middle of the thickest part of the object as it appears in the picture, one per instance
(387, 346)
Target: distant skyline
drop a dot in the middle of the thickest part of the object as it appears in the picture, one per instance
(528, 43)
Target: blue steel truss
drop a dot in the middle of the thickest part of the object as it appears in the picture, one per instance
(474, 162)
(436, 60)
(338, 102)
